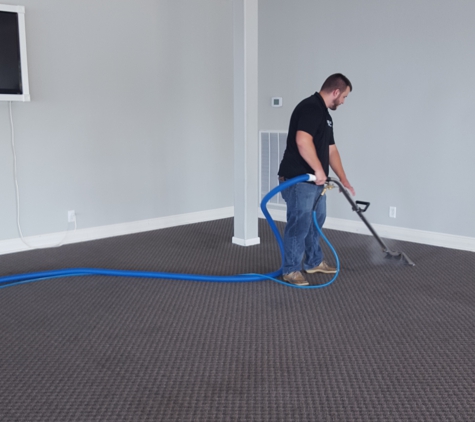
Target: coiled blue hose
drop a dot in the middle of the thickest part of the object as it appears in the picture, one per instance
(14, 280)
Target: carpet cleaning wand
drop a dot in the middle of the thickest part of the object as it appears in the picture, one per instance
(356, 207)
(17, 279)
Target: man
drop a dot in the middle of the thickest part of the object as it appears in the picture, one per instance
(310, 149)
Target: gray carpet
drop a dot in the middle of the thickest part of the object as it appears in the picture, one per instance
(385, 342)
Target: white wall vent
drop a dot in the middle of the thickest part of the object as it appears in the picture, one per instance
(271, 150)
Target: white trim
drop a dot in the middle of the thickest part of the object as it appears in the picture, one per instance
(94, 233)
(246, 242)
(390, 232)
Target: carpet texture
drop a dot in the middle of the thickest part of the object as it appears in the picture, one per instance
(384, 342)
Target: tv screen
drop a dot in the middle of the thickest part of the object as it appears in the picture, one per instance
(13, 70)
(10, 64)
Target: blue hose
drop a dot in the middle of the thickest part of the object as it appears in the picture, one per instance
(14, 280)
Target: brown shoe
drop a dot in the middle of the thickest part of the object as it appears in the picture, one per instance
(296, 278)
(322, 268)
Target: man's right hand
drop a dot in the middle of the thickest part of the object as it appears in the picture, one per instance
(308, 152)
(321, 177)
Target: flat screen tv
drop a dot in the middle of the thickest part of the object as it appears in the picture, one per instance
(13, 66)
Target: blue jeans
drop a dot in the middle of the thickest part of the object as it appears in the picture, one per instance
(301, 237)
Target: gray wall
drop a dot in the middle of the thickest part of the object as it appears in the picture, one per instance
(406, 132)
(131, 111)
(131, 115)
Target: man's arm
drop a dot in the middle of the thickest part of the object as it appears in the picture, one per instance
(337, 167)
(309, 154)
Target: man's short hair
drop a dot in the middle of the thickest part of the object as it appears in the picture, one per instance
(336, 81)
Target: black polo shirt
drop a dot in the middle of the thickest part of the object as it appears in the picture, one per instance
(311, 116)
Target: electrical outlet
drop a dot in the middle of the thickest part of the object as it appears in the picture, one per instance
(392, 212)
(71, 216)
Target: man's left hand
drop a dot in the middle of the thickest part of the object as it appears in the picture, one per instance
(348, 186)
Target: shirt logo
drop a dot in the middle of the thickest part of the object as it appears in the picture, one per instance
(330, 123)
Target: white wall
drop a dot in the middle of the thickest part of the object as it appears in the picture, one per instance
(406, 132)
(131, 115)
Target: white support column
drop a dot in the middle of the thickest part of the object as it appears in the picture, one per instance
(246, 134)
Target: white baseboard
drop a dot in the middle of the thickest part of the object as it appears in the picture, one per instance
(94, 233)
(390, 232)
(246, 242)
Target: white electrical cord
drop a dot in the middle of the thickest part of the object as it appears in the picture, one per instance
(17, 192)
